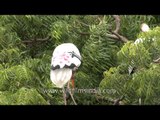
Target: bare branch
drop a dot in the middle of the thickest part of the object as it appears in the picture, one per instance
(36, 40)
(83, 33)
(115, 34)
(117, 20)
(122, 38)
(112, 36)
(84, 24)
(157, 60)
(115, 102)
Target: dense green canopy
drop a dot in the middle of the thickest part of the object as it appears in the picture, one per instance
(106, 43)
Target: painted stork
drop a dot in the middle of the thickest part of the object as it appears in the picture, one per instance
(144, 28)
(65, 61)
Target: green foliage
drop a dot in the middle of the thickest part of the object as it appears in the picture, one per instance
(152, 41)
(10, 55)
(6, 98)
(142, 87)
(26, 96)
(146, 86)
(131, 24)
(15, 77)
(115, 82)
(98, 50)
(28, 26)
(27, 43)
(133, 53)
(23, 96)
(60, 30)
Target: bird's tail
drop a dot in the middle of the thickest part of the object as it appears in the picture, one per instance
(60, 76)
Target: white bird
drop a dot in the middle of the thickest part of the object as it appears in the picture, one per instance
(65, 60)
(144, 28)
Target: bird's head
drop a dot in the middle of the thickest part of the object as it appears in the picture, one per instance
(73, 54)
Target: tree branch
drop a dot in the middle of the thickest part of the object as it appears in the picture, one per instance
(83, 33)
(115, 102)
(117, 20)
(112, 36)
(36, 40)
(84, 24)
(115, 34)
(122, 38)
(157, 60)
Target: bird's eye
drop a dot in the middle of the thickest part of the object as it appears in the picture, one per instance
(70, 54)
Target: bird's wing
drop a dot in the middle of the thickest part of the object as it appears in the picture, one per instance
(60, 76)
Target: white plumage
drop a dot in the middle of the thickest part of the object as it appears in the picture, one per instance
(64, 59)
(61, 76)
(145, 27)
